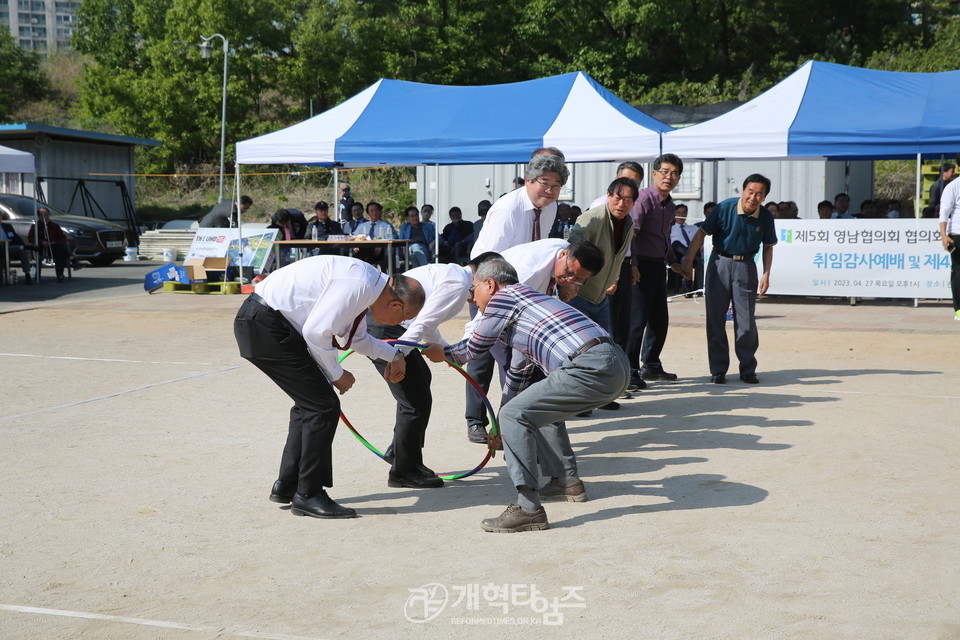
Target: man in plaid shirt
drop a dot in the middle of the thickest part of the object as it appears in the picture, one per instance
(584, 368)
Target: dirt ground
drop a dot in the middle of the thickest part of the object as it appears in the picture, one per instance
(138, 450)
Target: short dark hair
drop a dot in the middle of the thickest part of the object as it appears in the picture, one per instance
(407, 211)
(947, 166)
(756, 178)
(247, 200)
(614, 187)
(709, 205)
(840, 195)
(866, 202)
(683, 206)
(669, 158)
(457, 209)
(632, 166)
(281, 216)
(409, 292)
(824, 203)
(482, 207)
(587, 254)
(373, 203)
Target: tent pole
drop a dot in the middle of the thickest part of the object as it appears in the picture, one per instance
(916, 200)
(436, 225)
(336, 194)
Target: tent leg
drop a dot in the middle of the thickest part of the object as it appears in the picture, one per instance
(916, 200)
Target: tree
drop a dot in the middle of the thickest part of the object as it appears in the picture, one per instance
(21, 75)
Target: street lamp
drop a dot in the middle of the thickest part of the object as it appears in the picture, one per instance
(205, 49)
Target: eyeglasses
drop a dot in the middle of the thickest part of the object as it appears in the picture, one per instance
(668, 174)
(546, 186)
(569, 277)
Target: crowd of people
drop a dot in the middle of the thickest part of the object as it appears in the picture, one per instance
(572, 310)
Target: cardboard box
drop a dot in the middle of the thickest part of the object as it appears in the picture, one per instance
(155, 279)
(199, 270)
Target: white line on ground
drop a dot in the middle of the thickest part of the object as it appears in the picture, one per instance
(146, 623)
(114, 395)
(31, 355)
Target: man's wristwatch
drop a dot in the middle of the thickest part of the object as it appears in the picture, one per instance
(399, 356)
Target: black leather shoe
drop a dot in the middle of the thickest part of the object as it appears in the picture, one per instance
(388, 455)
(283, 491)
(750, 378)
(319, 506)
(649, 373)
(477, 433)
(611, 406)
(636, 383)
(415, 480)
(719, 378)
(585, 414)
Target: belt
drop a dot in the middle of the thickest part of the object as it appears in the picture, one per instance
(649, 259)
(590, 344)
(256, 298)
(737, 258)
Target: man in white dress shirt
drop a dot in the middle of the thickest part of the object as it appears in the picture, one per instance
(447, 288)
(293, 328)
(524, 215)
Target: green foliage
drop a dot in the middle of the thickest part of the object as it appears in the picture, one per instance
(21, 77)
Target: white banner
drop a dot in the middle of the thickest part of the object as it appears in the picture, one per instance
(897, 258)
(220, 243)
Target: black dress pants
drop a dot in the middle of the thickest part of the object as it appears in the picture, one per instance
(649, 317)
(272, 345)
(620, 306)
(414, 402)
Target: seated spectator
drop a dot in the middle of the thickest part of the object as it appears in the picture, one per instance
(426, 213)
(563, 220)
(53, 241)
(467, 245)
(18, 250)
(772, 207)
(825, 209)
(781, 211)
(681, 234)
(356, 221)
(423, 234)
(893, 209)
(575, 212)
(374, 228)
(841, 207)
(291, 222)
(325, 228)
(454, 235)
(794, 210)
(868, 209)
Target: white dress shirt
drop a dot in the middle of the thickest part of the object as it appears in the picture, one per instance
(677, 233)
(447, 287)
(510, 222)
(381, 228)
(950, 207)
(322, 297)
(534, 261)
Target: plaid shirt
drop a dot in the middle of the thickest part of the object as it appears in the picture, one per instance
(540, 330)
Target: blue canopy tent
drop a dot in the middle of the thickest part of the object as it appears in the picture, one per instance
(834, 111)
(407, 123)
(397, 123)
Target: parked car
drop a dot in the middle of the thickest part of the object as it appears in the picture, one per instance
(99, 242)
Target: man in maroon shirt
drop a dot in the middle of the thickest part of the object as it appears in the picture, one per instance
(52, 240)
(650, 254)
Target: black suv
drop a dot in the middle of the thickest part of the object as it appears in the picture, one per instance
(99, 242)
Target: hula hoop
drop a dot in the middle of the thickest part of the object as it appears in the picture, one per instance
(494, 426)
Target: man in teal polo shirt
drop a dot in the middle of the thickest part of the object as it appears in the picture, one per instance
(739, 227)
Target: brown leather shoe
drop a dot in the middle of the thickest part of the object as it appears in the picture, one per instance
(553, 491)
(515, 519)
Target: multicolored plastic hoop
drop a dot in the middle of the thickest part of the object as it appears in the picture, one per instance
(494, 427)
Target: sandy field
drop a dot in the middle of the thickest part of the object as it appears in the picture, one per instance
(138, 450)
